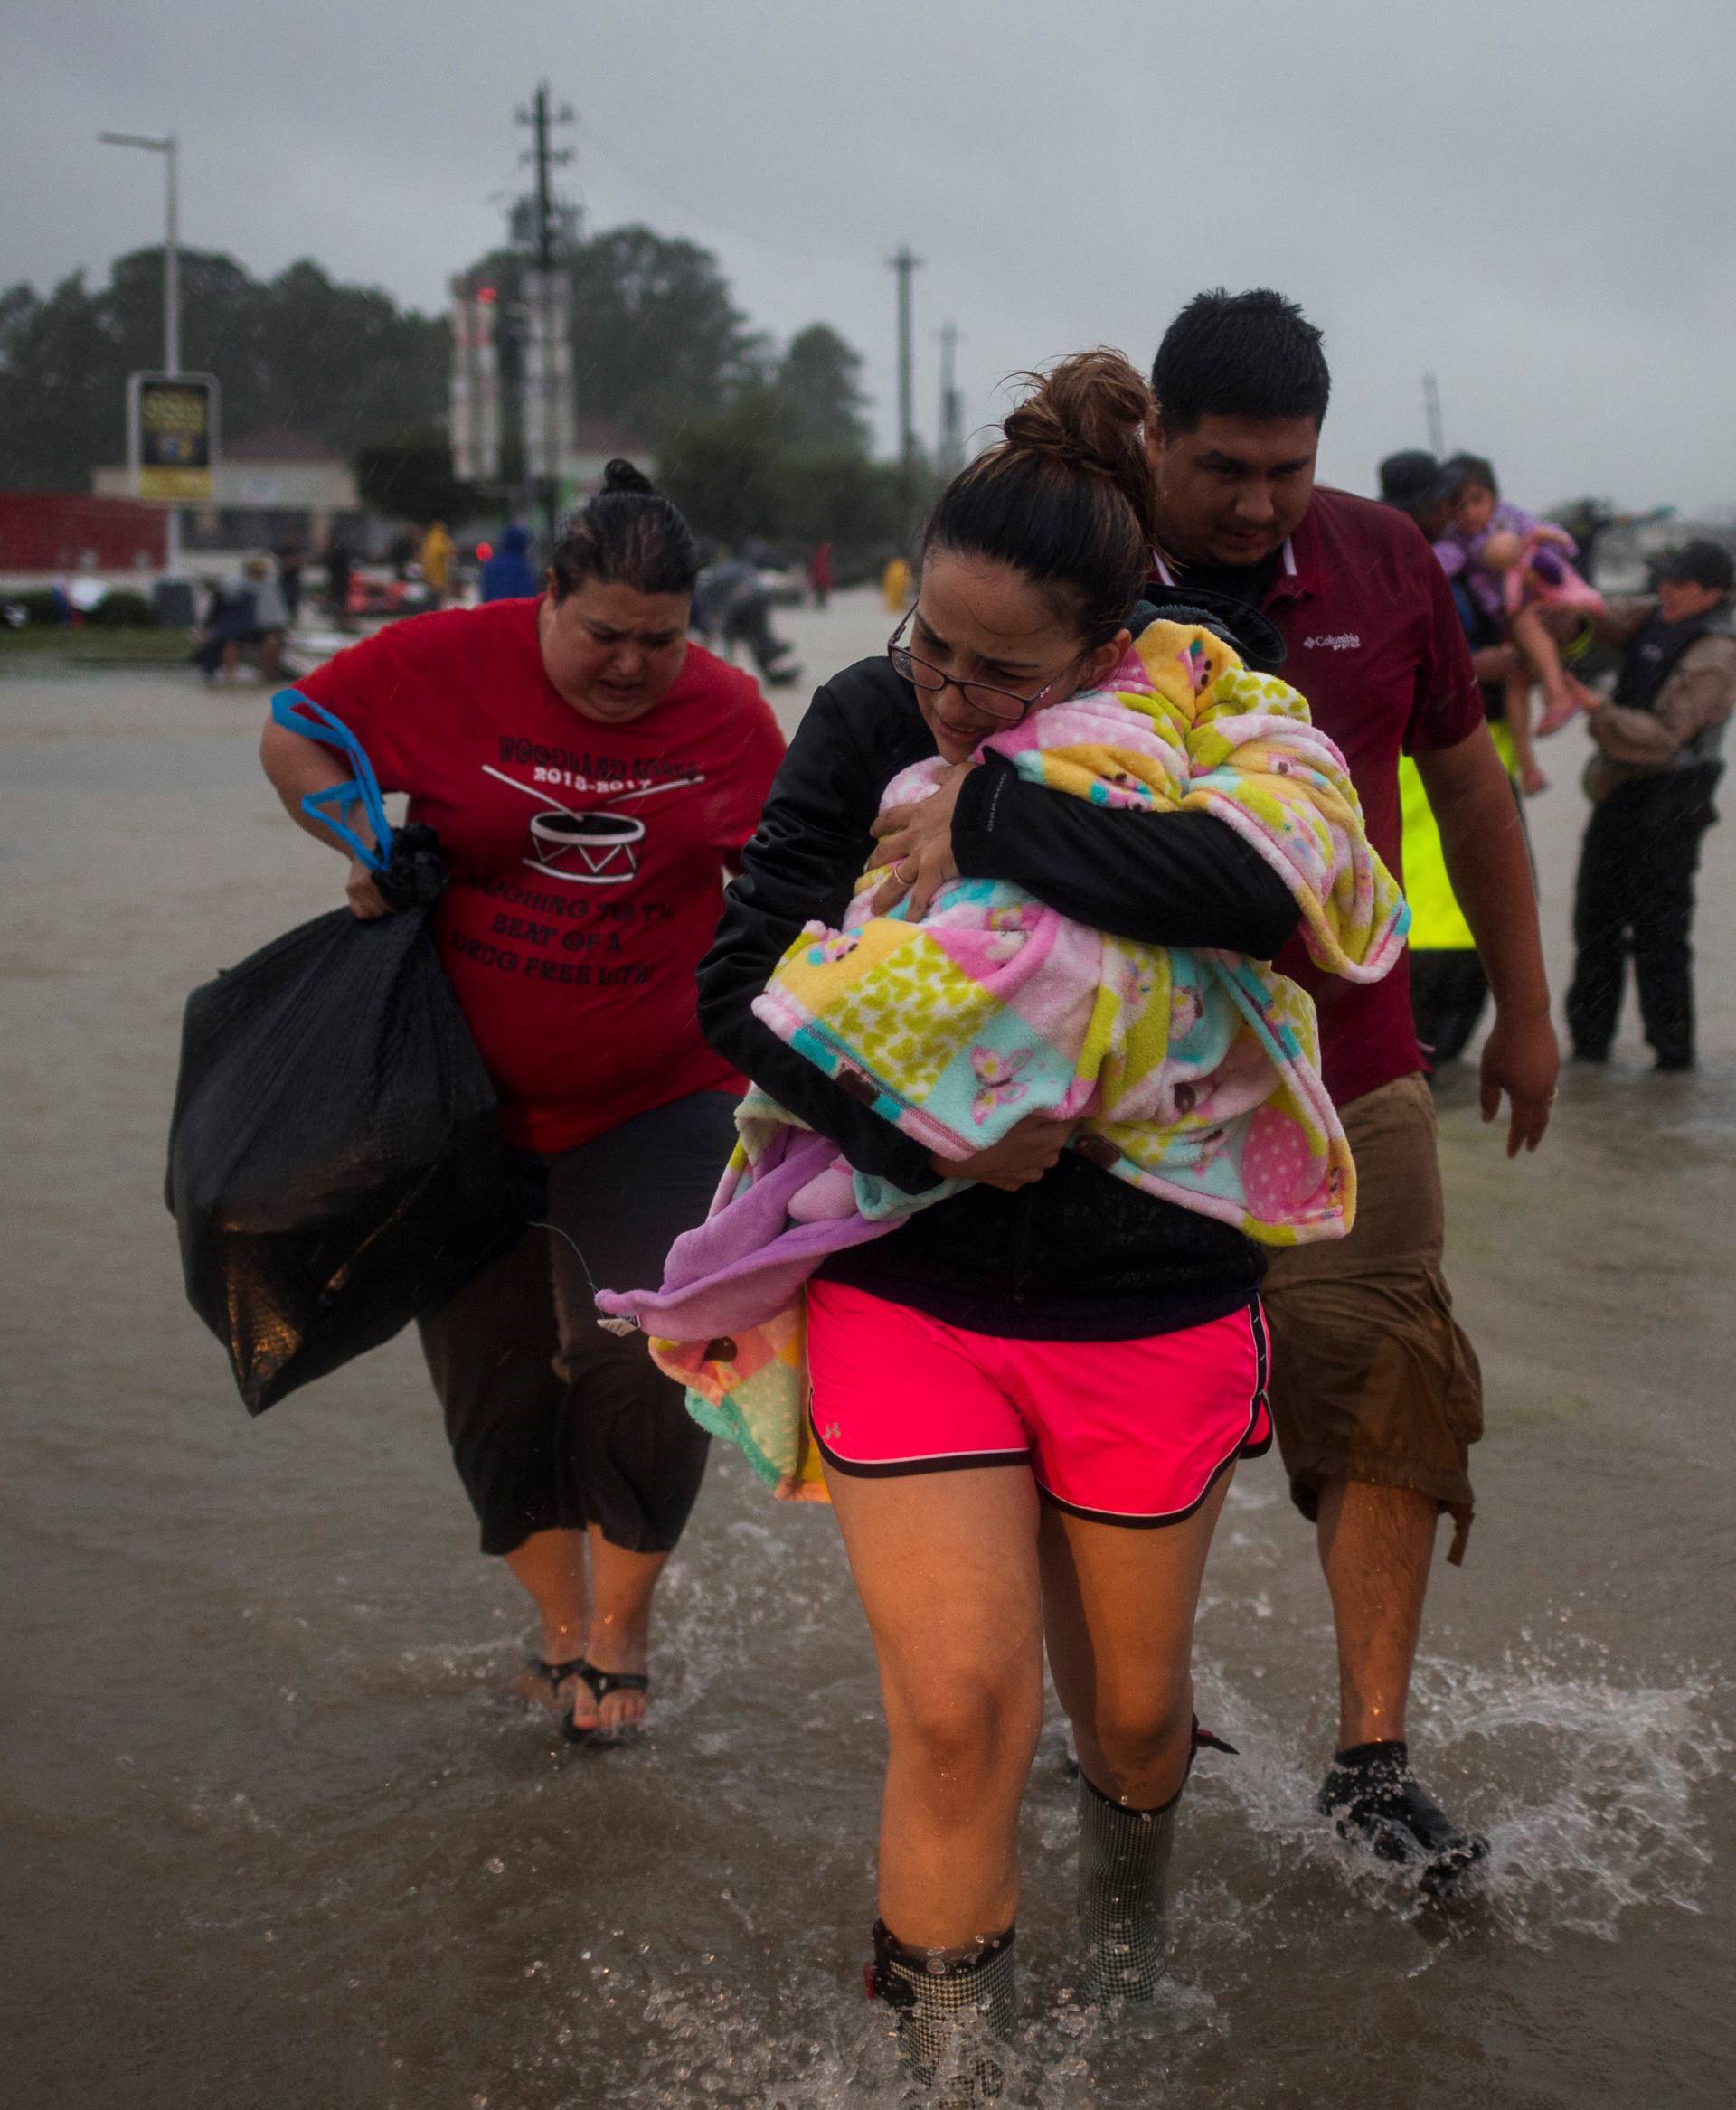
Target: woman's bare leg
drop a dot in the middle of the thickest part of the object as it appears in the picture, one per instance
(607, 1620)
(620, 1638)
(946, 1564)
(1118, 1607)
(549, 1568)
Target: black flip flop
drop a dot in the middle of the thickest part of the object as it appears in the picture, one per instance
(601, 1683)
(557, 1674)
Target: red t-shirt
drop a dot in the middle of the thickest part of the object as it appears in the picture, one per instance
(1376, 647)
(586, 859)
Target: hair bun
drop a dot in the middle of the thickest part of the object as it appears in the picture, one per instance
(1091, 412)
(1086, 409)
(620, 475)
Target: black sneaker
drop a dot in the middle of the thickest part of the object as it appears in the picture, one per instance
(1373, 1799)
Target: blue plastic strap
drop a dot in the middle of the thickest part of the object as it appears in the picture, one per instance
(300, 714)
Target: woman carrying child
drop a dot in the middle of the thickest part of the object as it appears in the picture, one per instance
(1029, 1397)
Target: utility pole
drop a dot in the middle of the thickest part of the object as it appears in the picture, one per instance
(905, 264)
(951, 454)
(1431, 408)
(548, 374)
(169, 149)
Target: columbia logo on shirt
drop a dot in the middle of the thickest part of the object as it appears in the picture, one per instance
(1341, 641)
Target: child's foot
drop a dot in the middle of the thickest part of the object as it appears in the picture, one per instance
(1571, 699)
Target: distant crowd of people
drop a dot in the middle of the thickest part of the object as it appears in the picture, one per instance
(1531, 619)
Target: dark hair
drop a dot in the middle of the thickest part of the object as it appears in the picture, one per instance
(1467, 469)
(1240, 355)
(1066, 498)
(627, 535)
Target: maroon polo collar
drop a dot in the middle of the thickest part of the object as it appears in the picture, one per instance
(1301, 576)
(1304, 572)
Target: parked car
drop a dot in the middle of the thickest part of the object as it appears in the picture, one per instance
(375, 590)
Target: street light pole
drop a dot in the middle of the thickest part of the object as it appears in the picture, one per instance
(168, 148)
(171, 261)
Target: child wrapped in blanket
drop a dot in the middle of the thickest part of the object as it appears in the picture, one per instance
(1517, 568)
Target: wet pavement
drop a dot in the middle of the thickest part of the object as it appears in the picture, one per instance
(273, 1837)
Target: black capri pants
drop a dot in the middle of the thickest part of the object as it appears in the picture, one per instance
(555, 1424)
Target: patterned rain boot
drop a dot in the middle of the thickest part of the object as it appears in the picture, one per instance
(938, 1995)
(1123, 1877)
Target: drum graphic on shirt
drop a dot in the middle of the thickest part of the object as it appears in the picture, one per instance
(605, 846)
(599, 847)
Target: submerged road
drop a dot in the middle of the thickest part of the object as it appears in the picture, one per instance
(273, 1838)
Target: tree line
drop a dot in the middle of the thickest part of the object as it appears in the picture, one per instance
(750, 438)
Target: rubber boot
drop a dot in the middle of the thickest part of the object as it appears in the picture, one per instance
(1123, 1879)
(1375, 1801)
(937, 1995)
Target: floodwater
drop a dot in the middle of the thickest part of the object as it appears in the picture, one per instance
(274, 1838)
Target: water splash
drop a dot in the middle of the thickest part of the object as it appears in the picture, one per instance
(1594, 1814)
(1585, 1785)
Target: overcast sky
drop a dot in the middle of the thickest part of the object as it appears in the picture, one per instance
(1534, 200)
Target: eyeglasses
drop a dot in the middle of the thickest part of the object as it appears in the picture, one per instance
(1006, 704)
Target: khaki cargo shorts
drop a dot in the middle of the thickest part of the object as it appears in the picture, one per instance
(1372, 1379)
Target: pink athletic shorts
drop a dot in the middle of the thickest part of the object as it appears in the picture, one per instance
(1120, 1432)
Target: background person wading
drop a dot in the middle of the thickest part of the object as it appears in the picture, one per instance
(589, 774)
(1659, 758)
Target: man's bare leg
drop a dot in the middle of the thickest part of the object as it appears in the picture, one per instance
(1375, 1546)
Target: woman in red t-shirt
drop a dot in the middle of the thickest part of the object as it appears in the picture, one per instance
(590, 773)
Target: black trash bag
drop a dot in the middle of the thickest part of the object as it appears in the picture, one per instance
(336, 1163)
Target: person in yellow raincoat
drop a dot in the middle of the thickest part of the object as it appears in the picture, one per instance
(437, 551)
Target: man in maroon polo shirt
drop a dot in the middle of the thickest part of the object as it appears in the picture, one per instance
(1377, 1393)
